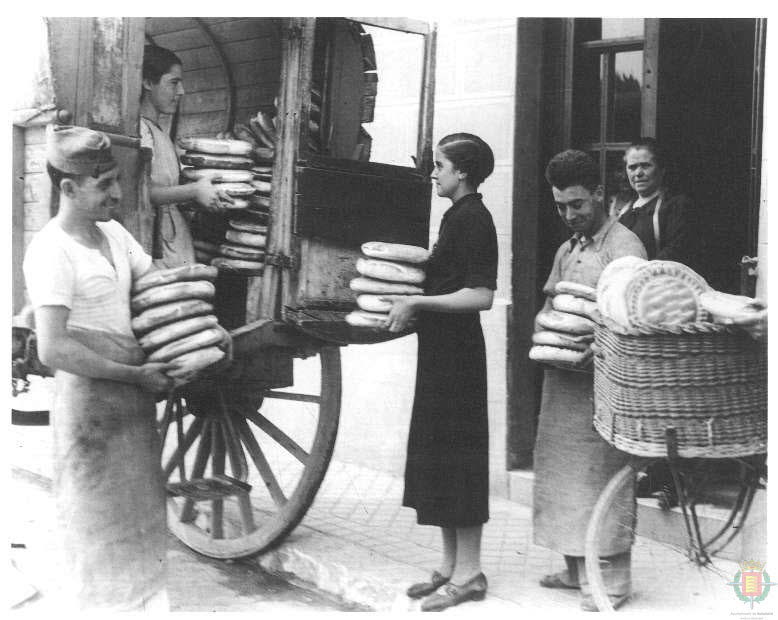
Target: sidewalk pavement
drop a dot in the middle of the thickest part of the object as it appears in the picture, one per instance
(358, 543)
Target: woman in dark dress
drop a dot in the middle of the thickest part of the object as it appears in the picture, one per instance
(447, 467)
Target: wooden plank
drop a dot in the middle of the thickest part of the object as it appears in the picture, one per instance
(160, 25)
(17, 217)
(294, 96)
(132, 75)
(522, 375)
(36, 187)
(199, 58)
(246, 28)
(204, 101)
(181, 40)
(36, 215)
(403, 24)
(649, 92)
(251, 49)
(202, 124)
(427, 106)
(35, 135)
(35, 158)
(253, 73)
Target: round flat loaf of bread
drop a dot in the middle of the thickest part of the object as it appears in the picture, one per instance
(199, 340)
(578, 290)
(557, 321)
(362, 318)
(214, 146)
(564, 302)
(237, 266)
(168, 333)
(237, 204)
(205, 246)
(205, 160)
(188, 365)
(612, 287)
(373, 303)
(558, 339)
(242, 252)
(556, 355)
(247, 224)
(263, 187)
(262, 170)
(725, 307)
(253, 240)
(664, 300)
(174, 291)
(242, 190)
(395, 251)
(218, 176)
(665, 293)
(183, 273)
(264, 154)
(260, 202)
(168, 313)
(381, 287)
(390, 271)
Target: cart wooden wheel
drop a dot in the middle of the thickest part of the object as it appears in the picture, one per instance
(241, 474)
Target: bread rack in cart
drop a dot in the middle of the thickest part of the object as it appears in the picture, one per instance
(682, 394)
(246, 450)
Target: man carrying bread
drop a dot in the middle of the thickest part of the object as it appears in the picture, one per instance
(108, 483)
(572, 462)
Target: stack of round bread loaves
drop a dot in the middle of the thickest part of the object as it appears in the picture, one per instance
(633, 292)
(386, 269)
(173, 319)
(243, 249)
(226, 162)
(567, 330)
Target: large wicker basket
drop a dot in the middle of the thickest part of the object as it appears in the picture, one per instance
(707, 381)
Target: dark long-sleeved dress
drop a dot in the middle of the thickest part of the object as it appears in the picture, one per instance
(447, 467)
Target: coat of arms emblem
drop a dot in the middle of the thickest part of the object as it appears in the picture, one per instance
(751, 583)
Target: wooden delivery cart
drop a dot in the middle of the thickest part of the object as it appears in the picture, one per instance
(245, 451)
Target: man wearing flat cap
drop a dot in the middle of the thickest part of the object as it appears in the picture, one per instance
(109, 488)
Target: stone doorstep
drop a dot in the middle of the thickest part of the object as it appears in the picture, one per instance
(668, 527)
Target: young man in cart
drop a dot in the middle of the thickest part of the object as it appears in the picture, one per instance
(108, 482)
(572, 462)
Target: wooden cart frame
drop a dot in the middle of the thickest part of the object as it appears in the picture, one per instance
(228, 498)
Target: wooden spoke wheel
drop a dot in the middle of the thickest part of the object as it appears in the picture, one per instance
(241, 474)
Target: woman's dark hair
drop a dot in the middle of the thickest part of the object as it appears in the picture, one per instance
(572, 167)
(650, 144)
(470, 155)
(157, 61)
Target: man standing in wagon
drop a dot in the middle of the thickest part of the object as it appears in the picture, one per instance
(572, 462)
(108, 483)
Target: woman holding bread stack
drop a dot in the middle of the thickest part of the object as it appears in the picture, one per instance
(447, 467)
(162, 90)
(572, 462)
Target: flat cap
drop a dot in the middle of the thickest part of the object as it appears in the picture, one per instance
(78, 150)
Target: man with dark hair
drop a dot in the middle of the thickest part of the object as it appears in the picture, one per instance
(572, 462)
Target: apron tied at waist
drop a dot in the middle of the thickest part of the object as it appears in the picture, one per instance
(108, 482)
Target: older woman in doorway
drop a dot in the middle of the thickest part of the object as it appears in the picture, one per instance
(447, 467)
(162, 90)
(661, 219)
